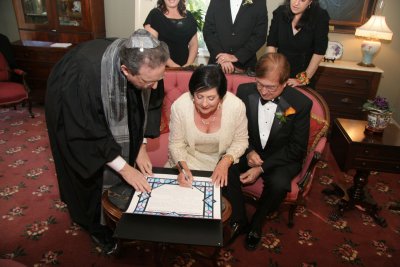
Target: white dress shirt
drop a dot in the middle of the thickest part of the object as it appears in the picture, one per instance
(266, 115)
(235, 6)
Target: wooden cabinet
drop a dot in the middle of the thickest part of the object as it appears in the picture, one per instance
(345, 87)
(69, 21)
(37, 58)
(44, 22)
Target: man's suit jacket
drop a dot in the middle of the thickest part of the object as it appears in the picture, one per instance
(287, 142)
(242, 38)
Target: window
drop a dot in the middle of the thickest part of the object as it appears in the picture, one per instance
(194, 6)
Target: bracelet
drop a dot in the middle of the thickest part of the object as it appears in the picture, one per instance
(302, 78)
(230, 157)
(262, 170)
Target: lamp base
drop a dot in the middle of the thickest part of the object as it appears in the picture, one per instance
(366, 65)
(369, 49)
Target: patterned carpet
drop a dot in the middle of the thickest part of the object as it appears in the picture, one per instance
(37, 231)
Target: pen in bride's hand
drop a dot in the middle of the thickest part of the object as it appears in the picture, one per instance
(183, 171)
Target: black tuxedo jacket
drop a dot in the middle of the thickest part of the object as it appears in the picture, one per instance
(242, 38)
(287, 142)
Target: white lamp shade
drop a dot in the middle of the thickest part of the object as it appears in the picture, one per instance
(375, 28)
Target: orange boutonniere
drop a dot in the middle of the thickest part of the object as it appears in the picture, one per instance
(282, 115)
(290, 111)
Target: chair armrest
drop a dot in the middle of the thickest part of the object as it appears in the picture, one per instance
(21, 78)
(311, 163)
(19, 72)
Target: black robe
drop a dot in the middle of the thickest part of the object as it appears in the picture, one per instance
(80, 139)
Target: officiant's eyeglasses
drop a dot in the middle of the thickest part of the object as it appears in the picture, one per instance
(269, 88)
(148, 83)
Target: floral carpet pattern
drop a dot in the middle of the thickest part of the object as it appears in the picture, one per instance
(36, 229)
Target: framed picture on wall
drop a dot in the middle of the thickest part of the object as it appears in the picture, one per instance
(346, 15)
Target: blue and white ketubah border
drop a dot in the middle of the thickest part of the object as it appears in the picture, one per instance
(167, 198)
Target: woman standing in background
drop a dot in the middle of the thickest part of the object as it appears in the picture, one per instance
(299, 30)
(172, 23)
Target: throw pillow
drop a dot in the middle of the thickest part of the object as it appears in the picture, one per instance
(318, 129)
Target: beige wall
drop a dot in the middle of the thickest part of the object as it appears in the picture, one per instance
(123, 16)
(8, 21)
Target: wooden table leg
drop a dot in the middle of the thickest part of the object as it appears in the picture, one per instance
(357, 196)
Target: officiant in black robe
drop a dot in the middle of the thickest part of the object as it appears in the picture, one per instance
(103, 98)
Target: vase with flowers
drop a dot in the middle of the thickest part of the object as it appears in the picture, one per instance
(379, 114)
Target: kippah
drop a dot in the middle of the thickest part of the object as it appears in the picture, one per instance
(142, 39)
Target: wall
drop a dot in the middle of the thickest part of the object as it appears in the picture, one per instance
(119, 16)
(123, 16)
(8, 21)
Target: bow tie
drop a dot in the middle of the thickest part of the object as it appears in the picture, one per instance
(275, 100)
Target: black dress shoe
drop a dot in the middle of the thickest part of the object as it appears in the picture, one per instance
(252, 240)
(103, 239)
(236, 230)
(108, 247)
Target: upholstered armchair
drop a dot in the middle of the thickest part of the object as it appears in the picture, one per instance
(13, 87)
(302, 183)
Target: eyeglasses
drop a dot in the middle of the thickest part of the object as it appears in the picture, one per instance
(148, 83)
(269, 88)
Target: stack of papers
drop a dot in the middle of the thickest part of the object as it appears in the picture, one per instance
(60, 45)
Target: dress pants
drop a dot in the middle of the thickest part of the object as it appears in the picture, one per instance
(277, 182)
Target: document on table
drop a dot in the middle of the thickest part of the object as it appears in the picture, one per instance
(167, 198)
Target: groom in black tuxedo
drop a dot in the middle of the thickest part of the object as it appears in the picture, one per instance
(278, 123)
(234, 30)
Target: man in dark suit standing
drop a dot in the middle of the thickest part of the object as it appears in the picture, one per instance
(278, 123)
(233, 38)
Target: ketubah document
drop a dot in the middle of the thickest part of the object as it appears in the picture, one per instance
(167, 198)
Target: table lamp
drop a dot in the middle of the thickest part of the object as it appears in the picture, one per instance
(374, 30)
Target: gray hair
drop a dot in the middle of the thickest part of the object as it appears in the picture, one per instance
(142, 48)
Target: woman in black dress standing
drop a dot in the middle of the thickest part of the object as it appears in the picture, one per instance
(299, 30)
(172, 23)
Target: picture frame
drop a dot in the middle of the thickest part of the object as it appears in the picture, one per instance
(347, 15)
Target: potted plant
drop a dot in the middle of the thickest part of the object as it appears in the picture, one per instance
(379, 114)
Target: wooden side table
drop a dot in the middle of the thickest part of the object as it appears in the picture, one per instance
(355, 149)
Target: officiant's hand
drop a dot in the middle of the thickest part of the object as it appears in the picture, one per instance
(143, 161)
(135, 178)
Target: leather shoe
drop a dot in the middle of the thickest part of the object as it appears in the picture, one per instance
(236, 230)
(252, 240)
(103, 239)
(108, 247)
